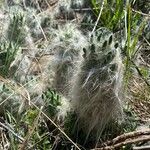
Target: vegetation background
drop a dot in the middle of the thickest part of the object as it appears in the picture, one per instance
(41, 45)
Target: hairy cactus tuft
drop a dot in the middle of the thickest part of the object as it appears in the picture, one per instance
(96, 94)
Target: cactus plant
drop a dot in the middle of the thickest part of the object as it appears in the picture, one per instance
(97, 89)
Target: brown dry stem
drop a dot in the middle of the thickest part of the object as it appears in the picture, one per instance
(127, 138)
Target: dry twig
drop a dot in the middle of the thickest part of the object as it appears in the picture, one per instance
(141, 13)
(147, 147)
(124, 139)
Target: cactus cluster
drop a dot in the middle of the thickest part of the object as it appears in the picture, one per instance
(86, 73)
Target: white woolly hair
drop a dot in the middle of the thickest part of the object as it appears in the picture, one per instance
(4, 23)
(69, 36)
(57, 69)
(78, 3)
(62, 7)
(65, 8)
(63, 109)
(96, 92)
(67, 47)
(66, 4)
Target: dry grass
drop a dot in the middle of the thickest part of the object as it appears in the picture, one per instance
(140, 98)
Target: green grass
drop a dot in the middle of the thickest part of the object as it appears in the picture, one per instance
(7, 55)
